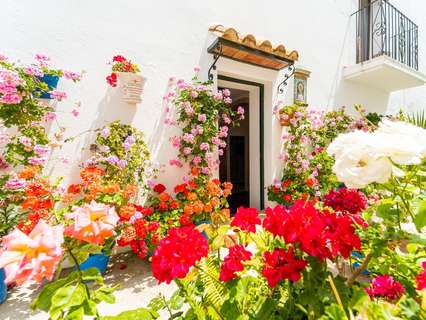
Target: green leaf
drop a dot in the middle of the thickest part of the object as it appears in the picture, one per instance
(67, 297)
(267, 308)
(105, 294)
(420, 218)
(333, 312)
(44, 298)
(157, 304)
(76, 313)
(92, 274)
(176, 301)
(137, 314)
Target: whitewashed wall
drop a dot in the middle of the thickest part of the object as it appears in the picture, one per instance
(168, 38)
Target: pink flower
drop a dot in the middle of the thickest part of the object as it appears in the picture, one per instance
(122, 163)
(196, 160)
(105, 132)
(75, 112)
(65, 159)
(218, 95)
(187, 150)
(176, 162)
(204, 146)
(202, 117)
(197, 69)
(93, 222)
(11, 98)
(194, 94)
(421, 278)
(226, 92)
(70, 75)
(226, 119)
(175, 142)
(205, 170)
(34, 256)
(3, 57)
(240, 110)
(216, 141)
(42, 57)
(25, 141)
(386, 287)
(227, 100)
(220, 152)
(188, 138)
(33, 71)
(41, 150)
(57, 95)
(14, 183)
(37, 161)
(50, 116)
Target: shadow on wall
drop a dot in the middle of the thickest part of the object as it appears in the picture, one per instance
(350, 93)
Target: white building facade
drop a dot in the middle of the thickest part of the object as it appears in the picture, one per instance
(364, 52)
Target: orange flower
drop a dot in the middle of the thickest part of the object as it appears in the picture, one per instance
(164, 196)
(112, 188)
(216, 181)
(228, 185)
(67, 198)
(191, 196)
(208, 207)
(36, 204)
(28, 172)
(91, 174)
(198, 206)
(188, 210)
(37, 189)
(195, 171)
(75, 188)
(130, 191)
(213, 189)
(127, 211)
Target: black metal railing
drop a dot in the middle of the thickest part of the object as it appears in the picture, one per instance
(381, 29)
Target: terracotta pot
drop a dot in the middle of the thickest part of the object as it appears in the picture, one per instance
(131, 86)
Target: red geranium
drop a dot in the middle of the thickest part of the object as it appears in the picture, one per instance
(119, 58)
(321, 234)
(185, 220)
(180, 188)
(162, 206)
(112, 79)
(280, 265)
(140, 248)
(385, 287)
(347, 201)
(181, 249)
(246, 219)
(159, 188)
(233, 262)
(153, 226)
(421, 278)
(141, 228)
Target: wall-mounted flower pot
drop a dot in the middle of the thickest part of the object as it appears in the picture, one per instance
(131, 86)
(51, 81)
(99, 261)
(3, 286)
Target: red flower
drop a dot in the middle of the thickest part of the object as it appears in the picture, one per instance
(162, 206)
(320, 234)
(421, 278)
(185, 220)
(140, 248)
(119, 58)
(286, 183)
(146, 211)
(181, 249)
(174, 205)
(287, 198)
(141, 228)
(385, 287)
(159, 188)
(233, 262)
(112, 79)
(180, 188)
(75, 188)
(246, 219)
(281, 265)
(153, 226)
(310, 182)
(346, 201)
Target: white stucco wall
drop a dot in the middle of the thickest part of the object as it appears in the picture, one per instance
(168, 38)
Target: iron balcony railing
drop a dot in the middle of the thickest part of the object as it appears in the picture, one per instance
(381, 29)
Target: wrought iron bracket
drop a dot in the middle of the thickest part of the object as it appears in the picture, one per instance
(217, 49)
(290, 72)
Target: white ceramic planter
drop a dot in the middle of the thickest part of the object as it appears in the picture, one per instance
(131, 86)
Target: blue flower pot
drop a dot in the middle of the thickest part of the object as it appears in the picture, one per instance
(3, 286)
(356, 264)
(203, 232)
(52, 83)
(98, 261)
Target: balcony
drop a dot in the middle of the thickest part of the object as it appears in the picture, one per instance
(387, 55)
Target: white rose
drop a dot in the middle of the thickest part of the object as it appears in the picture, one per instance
(357, 161)
(400, 141)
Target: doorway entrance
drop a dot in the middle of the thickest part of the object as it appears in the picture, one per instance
(242, 161)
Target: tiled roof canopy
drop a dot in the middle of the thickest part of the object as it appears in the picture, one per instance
(249, 50)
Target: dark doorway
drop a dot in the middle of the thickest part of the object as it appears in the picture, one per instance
(363, 31)
(234, 163)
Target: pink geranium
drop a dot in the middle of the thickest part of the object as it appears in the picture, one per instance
(34, 256)
(93, 222)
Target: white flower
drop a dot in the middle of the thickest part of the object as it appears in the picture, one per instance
(404, 143)
(357, 161)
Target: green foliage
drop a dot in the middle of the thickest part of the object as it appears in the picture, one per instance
(418, 119)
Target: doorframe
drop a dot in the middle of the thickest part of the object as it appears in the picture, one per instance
(261, 87)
